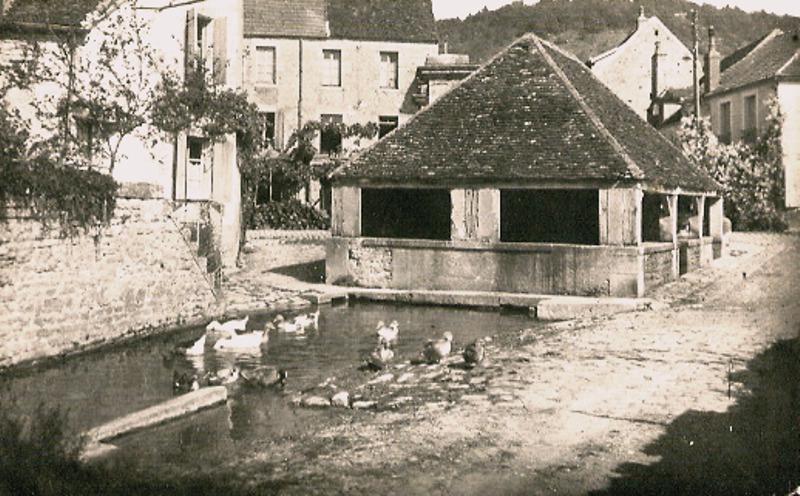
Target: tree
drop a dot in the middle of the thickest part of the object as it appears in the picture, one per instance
(751, 176)
(90, 92)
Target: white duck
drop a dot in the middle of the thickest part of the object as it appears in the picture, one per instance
(229, 327)
(237, 342)
(388, 333)
(308, 321)
(437, 349)
(198, 348)
(282, 324)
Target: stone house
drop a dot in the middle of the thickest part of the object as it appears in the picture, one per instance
(629, 71)
(348, 61)
(528, 176)
(738, 90)
(199, 174)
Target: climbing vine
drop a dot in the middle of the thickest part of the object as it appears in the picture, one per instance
(284, 174)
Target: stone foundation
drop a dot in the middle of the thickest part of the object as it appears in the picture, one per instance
(131, 278)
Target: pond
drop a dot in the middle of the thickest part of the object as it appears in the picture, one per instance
(98, 387)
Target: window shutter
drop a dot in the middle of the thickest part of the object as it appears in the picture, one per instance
(189, 41)
(220, 50)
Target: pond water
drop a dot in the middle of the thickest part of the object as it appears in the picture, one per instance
(98, 387)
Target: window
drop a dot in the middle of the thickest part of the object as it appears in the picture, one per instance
(750, 124)
(528, 216)
(331, 68)
(388, 76)
(265, 65)
(386, 124)
(330, 135)
(203, 38)
(268, 130)
(406, 213)
(725, 122)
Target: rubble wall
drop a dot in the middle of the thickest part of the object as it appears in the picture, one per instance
(60, 295)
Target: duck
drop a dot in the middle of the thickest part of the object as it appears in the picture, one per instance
(183, 382)
(229, 327)
(308, 321)
(388, 333)
(474, 353)
(283, 325)
(198, 348)
(249, 341)
(436, 349)
(227, 375)
(381, 356)
(265, 376)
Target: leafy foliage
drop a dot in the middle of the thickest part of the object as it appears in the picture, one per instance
(290, 214)
(284, 174)
(751, 175)
(64, 197)
(71, 199)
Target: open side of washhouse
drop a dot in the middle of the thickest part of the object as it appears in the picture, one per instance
(530, 176)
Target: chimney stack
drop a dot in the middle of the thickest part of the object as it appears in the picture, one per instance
(712, 63)
(642, 19)
(656, 71)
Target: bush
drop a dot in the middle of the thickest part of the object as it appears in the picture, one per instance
(69, 198)
(291, 214)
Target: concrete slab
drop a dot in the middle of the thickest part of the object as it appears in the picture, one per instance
(157, 414)
(454, 298)
(573, 307)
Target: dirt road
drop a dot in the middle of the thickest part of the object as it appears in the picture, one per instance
(700, 395)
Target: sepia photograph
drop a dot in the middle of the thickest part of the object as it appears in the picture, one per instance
(400, 247)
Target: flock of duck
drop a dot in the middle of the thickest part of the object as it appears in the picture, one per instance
(434, 351)
(232, 335)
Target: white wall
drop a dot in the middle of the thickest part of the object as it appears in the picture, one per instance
(789, 96)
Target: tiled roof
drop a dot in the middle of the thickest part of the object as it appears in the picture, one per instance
(532, 114)
(391, 20)
(772, 56)
(293, 18)
(49, 12)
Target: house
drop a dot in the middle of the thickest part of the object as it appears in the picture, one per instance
(199, 174)
(738, 91)
(335, 61)
(627, 69)
(528, 176)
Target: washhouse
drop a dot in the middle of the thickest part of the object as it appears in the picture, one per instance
(530, 176)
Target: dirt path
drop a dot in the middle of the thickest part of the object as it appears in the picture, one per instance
(700, 396)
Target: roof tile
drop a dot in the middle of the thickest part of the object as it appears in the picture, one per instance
(533, 113)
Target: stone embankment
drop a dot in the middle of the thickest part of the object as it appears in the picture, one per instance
(60, 295)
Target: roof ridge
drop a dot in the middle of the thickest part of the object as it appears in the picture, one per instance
(634, 169)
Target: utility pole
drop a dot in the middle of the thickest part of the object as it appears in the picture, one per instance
(695, 68)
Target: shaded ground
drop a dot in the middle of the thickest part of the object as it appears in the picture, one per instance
(697, 397)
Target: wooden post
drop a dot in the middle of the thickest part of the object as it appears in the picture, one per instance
(346, 211)
(621, 216)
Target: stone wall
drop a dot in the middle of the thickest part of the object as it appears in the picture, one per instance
(134, 277)
(535, 268)
(659, 266)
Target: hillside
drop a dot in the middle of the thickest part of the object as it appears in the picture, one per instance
(590, 27)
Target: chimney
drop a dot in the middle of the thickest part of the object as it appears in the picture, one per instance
(712, 63)
(443, 46)
(656, 71)
(642, 19)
